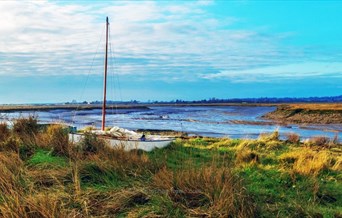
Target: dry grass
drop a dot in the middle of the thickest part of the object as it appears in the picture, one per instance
(58, 139)
(246, 156)
(4, 132)
(206, 192)
(337, 164)
(306, 161)
(106, 204)
(327, 106)
(11, 170)
(10, 144)
(269, 136)
(265, 142)
(26, 128)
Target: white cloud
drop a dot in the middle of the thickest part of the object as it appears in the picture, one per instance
(178, 40)
(289, 71)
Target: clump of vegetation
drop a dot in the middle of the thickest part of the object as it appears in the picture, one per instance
(307, 161)
(246, 156)
(210, 191)
(91, 144)
(293, 138)
(58, 139)
(26, 128)
(319, 141)
(4, 132)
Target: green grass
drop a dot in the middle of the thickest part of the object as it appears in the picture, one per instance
(92, 176)
(44, 159)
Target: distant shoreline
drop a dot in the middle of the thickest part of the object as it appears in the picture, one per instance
(48, 107)
(16, 108)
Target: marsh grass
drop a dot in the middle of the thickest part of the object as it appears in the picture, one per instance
(209, 191)
(4, 132)
(198, 177)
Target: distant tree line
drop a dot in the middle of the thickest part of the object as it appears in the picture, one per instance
(327, 99)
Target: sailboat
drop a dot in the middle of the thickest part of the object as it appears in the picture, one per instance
(142, 143)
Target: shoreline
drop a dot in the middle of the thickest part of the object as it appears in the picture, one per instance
(25, 107)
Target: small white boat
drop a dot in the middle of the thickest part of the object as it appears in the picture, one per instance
(147, 145)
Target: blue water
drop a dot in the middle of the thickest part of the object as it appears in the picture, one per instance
(205, 121)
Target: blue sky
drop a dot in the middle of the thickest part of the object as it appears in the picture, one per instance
(165, 50)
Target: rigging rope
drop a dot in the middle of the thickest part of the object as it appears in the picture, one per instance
(87, 78)
(112, 62)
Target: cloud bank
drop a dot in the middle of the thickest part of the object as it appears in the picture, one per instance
(169, 41)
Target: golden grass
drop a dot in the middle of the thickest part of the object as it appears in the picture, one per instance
(337, 166)
(305, 161)
(317, 106)
(213, 188)
(246, 156)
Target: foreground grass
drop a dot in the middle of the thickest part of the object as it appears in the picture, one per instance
(42, 175)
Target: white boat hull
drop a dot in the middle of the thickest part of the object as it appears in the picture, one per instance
(128, 145)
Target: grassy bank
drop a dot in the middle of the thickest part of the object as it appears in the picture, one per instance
(43, 175)
(307, 113)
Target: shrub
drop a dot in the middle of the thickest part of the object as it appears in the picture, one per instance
(26, 126)
(26, 130)
(319, 141)
(91, 144)
(293, 138)
(58, 139)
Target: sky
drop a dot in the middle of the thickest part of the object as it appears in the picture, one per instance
(53, 51)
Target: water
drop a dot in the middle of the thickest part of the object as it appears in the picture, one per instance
(220, 121)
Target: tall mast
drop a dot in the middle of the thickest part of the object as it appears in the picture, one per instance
(105, 81)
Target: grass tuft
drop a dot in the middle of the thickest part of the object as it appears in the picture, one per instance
(209, 191)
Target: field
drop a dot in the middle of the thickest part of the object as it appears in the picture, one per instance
(43, 175)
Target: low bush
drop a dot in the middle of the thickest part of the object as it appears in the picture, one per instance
(319, 141)
(293, 138)
(26, 128)
(91, 144)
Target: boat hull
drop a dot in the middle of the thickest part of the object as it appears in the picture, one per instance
(128, 145)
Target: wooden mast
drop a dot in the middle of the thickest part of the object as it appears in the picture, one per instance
(105, 81)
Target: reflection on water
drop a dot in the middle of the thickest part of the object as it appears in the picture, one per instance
(221, 121)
